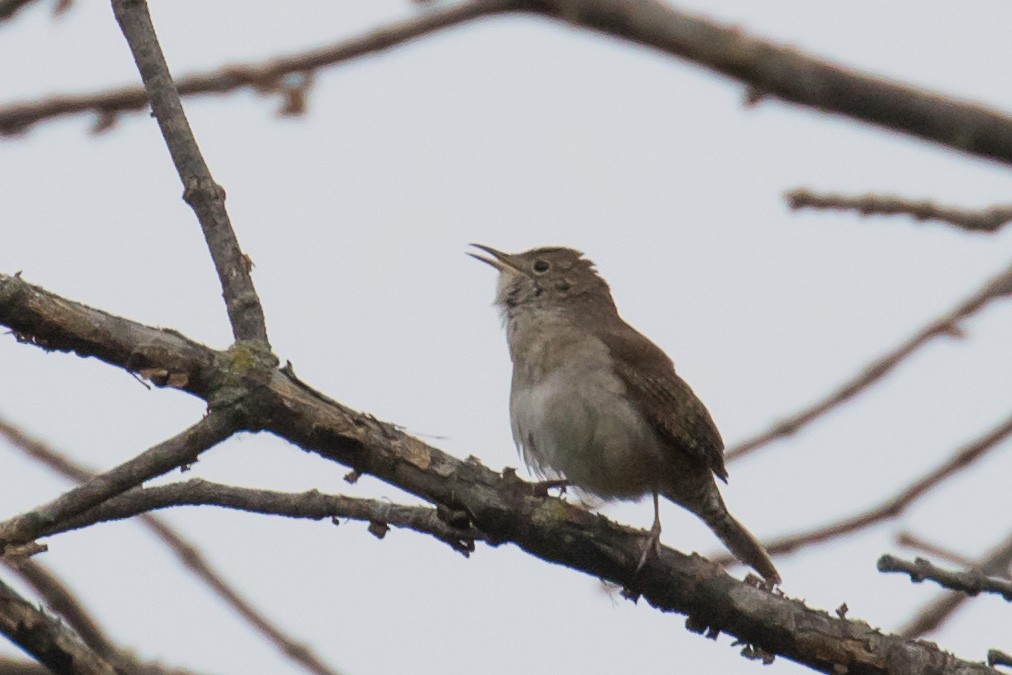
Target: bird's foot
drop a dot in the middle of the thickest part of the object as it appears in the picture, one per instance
(651, 547)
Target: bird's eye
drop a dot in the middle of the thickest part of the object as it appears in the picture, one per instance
(541, 266)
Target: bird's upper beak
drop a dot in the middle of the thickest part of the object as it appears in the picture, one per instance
(499, 260)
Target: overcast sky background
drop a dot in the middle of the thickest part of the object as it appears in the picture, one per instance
(514, 132)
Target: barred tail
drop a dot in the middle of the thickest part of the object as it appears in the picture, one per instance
(738, 540)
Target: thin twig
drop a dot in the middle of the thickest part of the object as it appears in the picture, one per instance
(910, 540)
(985, 220)
(200, 191)
(181, 449)
(995, 563)
(947, 324)
(188, 555)
(893, 506)
(312, 504)
(970, 582)
(263, 77)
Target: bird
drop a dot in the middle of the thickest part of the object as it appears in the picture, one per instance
(596, 403)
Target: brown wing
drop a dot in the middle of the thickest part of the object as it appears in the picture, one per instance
(668, 403)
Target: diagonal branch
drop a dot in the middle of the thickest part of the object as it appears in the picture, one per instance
(8, 8)
(766, 68)
(19, 117)
(895, 505)
(984, 220)
(180, 450)
(187, 554)
(205, 197)
(508, 509)
(46, 638)
(312, 504)
(773, 70)
(969, 582)
(60, 599)
(947, 324)
(911, 540)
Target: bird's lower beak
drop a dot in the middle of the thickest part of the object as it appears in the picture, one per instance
(499, 260)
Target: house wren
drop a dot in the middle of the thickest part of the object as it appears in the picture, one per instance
(596, 403)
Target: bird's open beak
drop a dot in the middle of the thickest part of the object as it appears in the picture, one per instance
(499, 260)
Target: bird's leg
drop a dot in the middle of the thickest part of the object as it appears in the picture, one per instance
(653, 542)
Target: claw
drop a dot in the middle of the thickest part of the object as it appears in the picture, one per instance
(653, 542)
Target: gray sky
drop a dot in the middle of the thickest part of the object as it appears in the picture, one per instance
(513, 132)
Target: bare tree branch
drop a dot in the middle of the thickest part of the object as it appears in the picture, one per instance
(893, 506)
(766, 68)
(165, 357)
(312, 504)
(46, 638)
(508, 509)
(205, 197)
(60, 599)
(178, 451)
(8, 8)
(986, 220)
(909, 540)
(970, 582)
(995, 562)
(263, 77)
(947, 324)
(772, 70)
(187, 554)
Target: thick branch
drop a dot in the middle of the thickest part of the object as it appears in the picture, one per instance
(60, 599)
(46, 638)
(970, 582)
(766, 68)
(205, 197)
(180, 450)
(47, 321)
(772, 70)
(8, 8)
(507, 509)
(985, 220)
(187, 554)
(947, 324)
(312, 505)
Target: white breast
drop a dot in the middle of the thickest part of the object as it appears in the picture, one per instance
(573, 420)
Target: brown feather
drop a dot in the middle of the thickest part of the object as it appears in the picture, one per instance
(665, 399)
